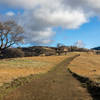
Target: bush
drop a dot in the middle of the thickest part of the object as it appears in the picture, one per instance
(30, 54)
(13, 53)
(50, 53)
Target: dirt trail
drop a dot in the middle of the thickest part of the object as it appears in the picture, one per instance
(58, 84)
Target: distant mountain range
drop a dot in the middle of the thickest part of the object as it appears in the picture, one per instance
(96, 48)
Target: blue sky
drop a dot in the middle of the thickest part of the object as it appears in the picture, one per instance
(89, 33)
(49, 25)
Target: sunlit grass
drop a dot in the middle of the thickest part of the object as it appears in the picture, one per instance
(11, 69)
(87, 66)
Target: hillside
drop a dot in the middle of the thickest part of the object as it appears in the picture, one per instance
(96, 48)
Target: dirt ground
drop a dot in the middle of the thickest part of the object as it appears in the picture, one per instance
(57, 84)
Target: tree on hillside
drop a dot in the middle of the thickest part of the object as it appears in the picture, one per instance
(10, 34)
(59, 48)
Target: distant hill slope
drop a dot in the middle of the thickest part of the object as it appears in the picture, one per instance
(96, 48)
(39, 50)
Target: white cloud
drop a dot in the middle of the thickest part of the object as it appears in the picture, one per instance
(41, 16)
(64, 18)
(10, 13)
(80, 44)
(39, 24)
(31, 4)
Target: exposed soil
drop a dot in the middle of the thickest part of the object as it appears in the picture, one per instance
(57, 84)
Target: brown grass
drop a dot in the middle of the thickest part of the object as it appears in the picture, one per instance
(11, 69)
(87, 66)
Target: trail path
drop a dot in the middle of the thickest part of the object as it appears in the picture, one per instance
(57, 84)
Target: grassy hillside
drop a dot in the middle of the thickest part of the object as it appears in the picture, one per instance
(18, 71)
(87, 66)
(11, 69)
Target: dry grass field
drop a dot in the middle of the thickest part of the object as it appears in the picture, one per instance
(11, 69)
(87, 66)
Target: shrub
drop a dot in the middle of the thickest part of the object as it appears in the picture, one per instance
(50, 53)
(30, 54)
(13, 53)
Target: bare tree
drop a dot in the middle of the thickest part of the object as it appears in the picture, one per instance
(10, 34)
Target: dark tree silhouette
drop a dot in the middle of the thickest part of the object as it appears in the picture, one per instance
(10, 34)
(60, 48)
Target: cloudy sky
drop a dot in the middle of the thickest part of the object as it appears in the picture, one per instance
(48, 22)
